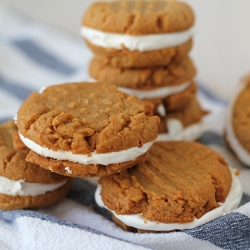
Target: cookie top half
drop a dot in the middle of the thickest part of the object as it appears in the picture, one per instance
(139, 17)
(86, 117)
(178, 182)
(12, 162)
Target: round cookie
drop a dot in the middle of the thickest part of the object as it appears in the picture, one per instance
(86, 129)
(23, 184)
(181, 185)
(136, 34)
(144, 78)
(238, 122)
(184, 124)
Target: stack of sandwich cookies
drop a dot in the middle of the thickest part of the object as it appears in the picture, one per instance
(23, 184)
(86, 130)
(180, 186)
(168, 84)
(137, 34)
(238, 122)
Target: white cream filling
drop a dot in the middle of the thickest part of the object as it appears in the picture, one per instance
(176, 131)
(138, 221)
(132, 43)
(161, 110)
(20, 187)
(41, 90)
(156, 93)
(234, 143)
(103, 159)
(15, 119)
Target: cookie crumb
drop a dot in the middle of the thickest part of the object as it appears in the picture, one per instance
(106, 111)
(84, 110)
(84, 121)
(237, 172)
(48, 131)
(107, 102)
(118, 105)
(72, 105)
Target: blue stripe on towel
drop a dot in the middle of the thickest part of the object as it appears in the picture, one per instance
(43, 57)
(231, 231)
(11, 216)
(209, 138)
(208, 94)
(15, 89)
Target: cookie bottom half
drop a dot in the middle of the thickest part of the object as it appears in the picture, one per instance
(74, 169)
(136, 59)
(9, 202)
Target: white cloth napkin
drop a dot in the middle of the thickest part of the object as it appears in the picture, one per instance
(34, 56)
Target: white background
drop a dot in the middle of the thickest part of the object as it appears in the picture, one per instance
(221, 46)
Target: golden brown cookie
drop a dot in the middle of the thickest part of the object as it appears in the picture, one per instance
(86, 129)
(238, 121)
(144, 78)
(139, 17)
(136, 34)
(23, 184)
(177, 184)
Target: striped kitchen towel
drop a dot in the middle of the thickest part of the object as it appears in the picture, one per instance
(34, 55)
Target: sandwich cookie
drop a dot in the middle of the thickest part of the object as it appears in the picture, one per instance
(136, 34)
(23, 184)
(86, 129)
(180, 186)
(237, 126)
